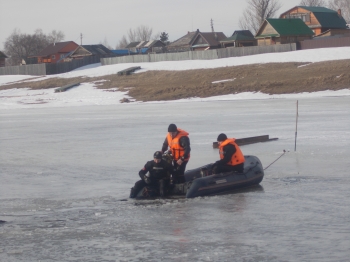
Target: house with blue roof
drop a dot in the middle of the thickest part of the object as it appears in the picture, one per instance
(318, 19)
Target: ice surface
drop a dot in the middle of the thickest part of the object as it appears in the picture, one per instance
(64, 170)
(67, 159)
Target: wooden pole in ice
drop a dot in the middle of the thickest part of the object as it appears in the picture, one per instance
(296, 128)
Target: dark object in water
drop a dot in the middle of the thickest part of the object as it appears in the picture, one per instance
(2, 221)
(201, 181)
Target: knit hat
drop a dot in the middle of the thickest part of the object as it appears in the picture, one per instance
(172, 128)
(157, 155)
(222, 137)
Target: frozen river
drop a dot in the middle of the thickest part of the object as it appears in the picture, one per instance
(65, 170)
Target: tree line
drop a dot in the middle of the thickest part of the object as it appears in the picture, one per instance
(19, 46)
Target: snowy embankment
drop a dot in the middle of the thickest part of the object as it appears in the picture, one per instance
(87, 94)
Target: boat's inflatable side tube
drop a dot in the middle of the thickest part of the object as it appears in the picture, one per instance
(220, 183)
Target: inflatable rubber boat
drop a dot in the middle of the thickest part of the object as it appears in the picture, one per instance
(201, 182)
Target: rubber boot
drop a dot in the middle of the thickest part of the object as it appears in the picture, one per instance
(161, 188)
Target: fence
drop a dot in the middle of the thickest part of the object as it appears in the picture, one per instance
(64, 67)
(38, 69)
(48, 69)
(200, 55)
(324, 43)
(59, 68)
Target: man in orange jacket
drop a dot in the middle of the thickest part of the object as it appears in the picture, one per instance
(231, 156)
(179, 143)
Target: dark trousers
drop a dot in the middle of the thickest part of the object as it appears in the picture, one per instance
(160, 186)
(137, 187)
(179, 172)
(228, 168)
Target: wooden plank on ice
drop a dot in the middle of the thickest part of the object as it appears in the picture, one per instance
(66, 87)
(250, 140)
(129, 70)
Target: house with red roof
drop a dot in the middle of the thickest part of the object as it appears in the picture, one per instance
(56, 52)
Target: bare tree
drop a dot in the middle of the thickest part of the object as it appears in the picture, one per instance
(105, 43)
(13, 48)
(141, 33)
(256, 13)
(321, 3)
(122, 43)
(132, 36)
(19, 46)
(343, 5)
(55, 36)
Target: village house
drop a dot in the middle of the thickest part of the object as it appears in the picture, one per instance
(144, 47)
(275, 31)
(334, 33)
(55, 52)
(197, 41)
(99, 51)
(206, 41)
(2, 59)
(318, 19)
(182, 44)
(132, 46)
(239, 38)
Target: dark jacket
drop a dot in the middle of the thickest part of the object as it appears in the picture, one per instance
(184, 143)
(157, 170)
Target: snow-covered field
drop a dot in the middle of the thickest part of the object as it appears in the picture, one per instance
(87, 94)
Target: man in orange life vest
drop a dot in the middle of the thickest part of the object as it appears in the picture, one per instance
(231, 157)
(179, 143)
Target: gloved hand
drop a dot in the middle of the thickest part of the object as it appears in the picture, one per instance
(147, 179)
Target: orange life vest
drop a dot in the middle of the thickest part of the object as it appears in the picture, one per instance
(237, 158)
(174, 144)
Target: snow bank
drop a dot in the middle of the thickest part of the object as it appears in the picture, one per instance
(87, 94)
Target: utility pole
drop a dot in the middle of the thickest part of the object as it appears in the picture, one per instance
(81, 39)
(212, 29)
(212, 25)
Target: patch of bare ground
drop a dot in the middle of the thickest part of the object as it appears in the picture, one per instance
(272, 78)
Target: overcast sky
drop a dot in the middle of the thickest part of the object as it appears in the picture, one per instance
(100, 20)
